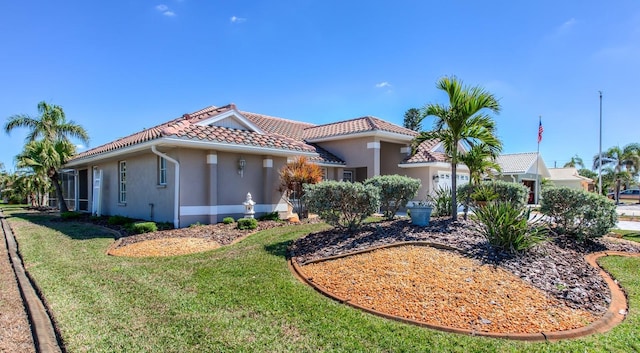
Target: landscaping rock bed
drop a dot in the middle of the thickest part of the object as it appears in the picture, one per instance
(556, 267)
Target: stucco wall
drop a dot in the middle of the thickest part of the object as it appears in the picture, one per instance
(354, 152)
(390, 157)
(142, 189)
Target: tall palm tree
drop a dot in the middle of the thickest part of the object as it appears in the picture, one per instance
(624, 162)
(463, 121)
(45, 158)
(51, 127)
(575, 162)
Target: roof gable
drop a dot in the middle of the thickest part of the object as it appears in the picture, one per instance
(363, 125)
(522, 163)
(229, 118)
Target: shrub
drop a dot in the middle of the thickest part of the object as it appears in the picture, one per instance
(513, 193)
(505, 226)
(143, 227)
(272, 216)
(70, 215)
(164, 225)
(579, 213)
(342, 204)
(119, 220)
(228, 220)
(247, 223)
(441, 200)
(395, 191)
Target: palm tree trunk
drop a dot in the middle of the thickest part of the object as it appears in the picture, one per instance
(454, 184)
(62, 205)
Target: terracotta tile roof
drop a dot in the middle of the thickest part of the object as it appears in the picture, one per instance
(424, 154)
(566, 174)
(280, 126)
(353, 126)
(184, 128)
(325, 156)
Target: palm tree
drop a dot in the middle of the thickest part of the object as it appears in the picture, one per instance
(45, 159)
(463, 121)
(575, 162)
(623, 161)
(52, 128)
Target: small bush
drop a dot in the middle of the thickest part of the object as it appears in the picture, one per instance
(228, 220)
(441, 199)
(272, 216)
(513, 193)
(70, 215)
(247, 223)
(505, 226)
(395, 191)
(143, 227)
(342, 204)
(119, 220)
(165, 225)
(195, 225)
(579, 213)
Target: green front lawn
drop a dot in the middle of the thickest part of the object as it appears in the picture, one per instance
(240, 298)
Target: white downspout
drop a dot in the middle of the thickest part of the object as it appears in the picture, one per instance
(176, 189)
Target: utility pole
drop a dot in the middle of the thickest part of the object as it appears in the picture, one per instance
(600, 150)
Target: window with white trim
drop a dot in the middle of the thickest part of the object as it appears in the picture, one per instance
(162, 171)
(324, 173)
(122, 182)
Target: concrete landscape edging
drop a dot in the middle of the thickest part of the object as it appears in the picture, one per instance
(615, 314)
(42, 330)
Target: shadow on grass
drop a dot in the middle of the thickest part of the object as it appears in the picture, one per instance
(278, 249)
(73, 229)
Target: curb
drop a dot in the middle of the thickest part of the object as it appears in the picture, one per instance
(614, 315)
(42, 329)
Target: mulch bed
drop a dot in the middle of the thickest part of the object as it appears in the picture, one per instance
(183, 241)
(556, 267)
(443, 288)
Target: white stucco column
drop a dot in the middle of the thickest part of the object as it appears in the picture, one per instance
(268, 177)
(212, 162)
(375, 146)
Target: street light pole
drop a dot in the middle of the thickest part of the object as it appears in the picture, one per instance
(600, 150)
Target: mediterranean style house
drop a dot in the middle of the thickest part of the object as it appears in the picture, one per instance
(201, 166)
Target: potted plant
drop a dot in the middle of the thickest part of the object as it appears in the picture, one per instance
(420, 212)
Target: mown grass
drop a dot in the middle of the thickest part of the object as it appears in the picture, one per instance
(633, 235)
(240, 298)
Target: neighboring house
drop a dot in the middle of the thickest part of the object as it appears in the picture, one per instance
(200, 167)
(526, 168)
(570, 178)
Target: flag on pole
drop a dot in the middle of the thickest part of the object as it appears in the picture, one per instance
(540, 130)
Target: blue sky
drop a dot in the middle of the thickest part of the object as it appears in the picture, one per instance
(122, 66)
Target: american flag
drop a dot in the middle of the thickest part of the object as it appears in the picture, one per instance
(540, 130)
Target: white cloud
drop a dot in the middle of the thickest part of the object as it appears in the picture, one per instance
(165, 10)
(383, 84)
(235, 19)
(567, 25)
(80, 146)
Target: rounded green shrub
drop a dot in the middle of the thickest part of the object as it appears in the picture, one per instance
(143, 227)
(514, 193)
(579, 213)
(247, 223)
(342, 204)
(395, 191)
(228, 220)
